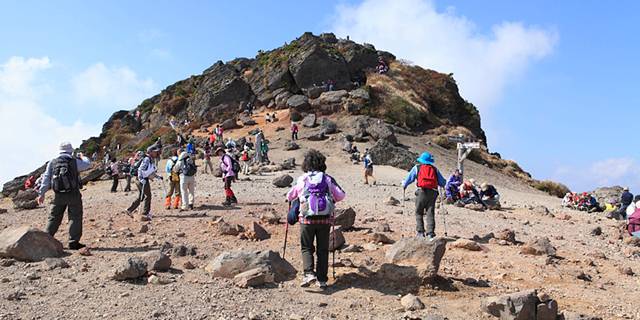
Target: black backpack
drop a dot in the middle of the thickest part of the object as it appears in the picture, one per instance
(108, 170)
(235, 165)
(136, 164)
(126, 167)
(65, 178)
(189, 168)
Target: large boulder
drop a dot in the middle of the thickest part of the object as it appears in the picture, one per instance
(332, 97)
(129, 268)
(360, 94)
(25, 199)
(230, 124)
(360, 59)
(282, 99)
(327, 126)
(93, 174)
(380, 131)
(222, 89)
(157, 260)
(28, 244)
(289, 164)
(298, 102)
(316, 63)
(515, 306)
(247, 121)
(290, 145)
(309, 121)
(283, 181)
(345, 217)
(315, 135)
(12, 187)
(167, 151)
(339, 239)
(418, 251)
(385, 153)
(315, 91)
(267, 78)
(539, 246)
(230, 263)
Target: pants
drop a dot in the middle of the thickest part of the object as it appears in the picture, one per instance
(245, 167)
(187, 193)
(227, 187)
(145, 194)
(265, 156)
(207, 164)
(174, 188)
(128, 186)
(294, 135)
(321, 233)
(493, 201)
(426, 200)
(368, 172)
(190, 148)
(60, 203)
(114, 185)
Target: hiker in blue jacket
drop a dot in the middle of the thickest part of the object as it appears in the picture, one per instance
(426, 194)
(452, 186)
(627, 198)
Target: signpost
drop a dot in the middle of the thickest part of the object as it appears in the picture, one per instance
(465, 145)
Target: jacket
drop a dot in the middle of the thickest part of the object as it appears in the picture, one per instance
(182, 161)
(413, 176)
(297, 192)
(627, 198)
(226, 165)
(83, 164)
(114, 169)
(147, 169)
(491, 192)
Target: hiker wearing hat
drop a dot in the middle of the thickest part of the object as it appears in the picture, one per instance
(566, 201)
(626, 198)
(294, 131)
(186, 168)
(469, 194)
(258, 158)
(246, 157)
(428, 180)
(190, 143)
(490, 196)
(612, 205)
(368, 168)
(158, 146)
(146, 172)
(174, 180)
(63, 177)
(226, 165)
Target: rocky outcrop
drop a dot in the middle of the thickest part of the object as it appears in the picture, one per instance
(12, 187)
(385, 153)
(382, 131)
(318, 62)
(28, 244)
(222, 90)
(26, 199)
(309, 121)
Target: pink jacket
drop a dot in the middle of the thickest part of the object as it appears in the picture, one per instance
(226, 166)
(296, 190)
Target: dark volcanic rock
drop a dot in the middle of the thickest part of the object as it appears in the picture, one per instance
(309, 121)
(382, 131)
(384, 153)
(317, 63)
(298, 102)
(26, 199)
(327, 126)
(222, 90)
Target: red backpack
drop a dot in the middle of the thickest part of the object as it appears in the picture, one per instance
(427, 177)
(634, 221)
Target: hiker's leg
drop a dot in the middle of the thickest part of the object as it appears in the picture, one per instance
(184, 190)
(421, 204)
(191, 187)
(306, 246)
(431, 196)
(147, 198)
(74, 214)
(371, 175)
(323, 232)
(365, 175)
(134, 205)
(55, 218)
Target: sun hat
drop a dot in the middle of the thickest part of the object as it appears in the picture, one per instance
(614, 201)
(293, 123)
(66, 147)
(473, 182)
(426, 158)
(219, 149)
(568, 194)
(484, 186)
(625, 189)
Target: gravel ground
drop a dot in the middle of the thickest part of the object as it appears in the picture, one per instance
(85, 290)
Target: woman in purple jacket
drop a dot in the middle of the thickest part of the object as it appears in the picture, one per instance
(227, 176)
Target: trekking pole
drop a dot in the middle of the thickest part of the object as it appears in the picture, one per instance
(333, 223)
(286, 233)
(402, 218)
(444, 213)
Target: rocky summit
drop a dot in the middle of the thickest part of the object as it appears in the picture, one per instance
(529, 259)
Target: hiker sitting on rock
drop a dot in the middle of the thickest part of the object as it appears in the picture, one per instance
(567, 200)
(591, 204)
(490, 196)
(355, 155)
(452, 186)
(612, 205)
(317, 192)
(469, 194)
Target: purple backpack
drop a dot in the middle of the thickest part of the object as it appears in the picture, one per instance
(316, 197)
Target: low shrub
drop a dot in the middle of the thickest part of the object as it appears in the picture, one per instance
(553, 188)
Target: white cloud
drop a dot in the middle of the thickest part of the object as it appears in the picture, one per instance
(29, 136)
(606, 172)
(149, 34)
(483, 64)
(111, 88)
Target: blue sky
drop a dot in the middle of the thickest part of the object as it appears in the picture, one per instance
(554, 81)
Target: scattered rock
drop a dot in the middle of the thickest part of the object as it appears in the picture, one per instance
(257, 232)
(230, 263)
(474, 206)
(382, 131)
(339, 239)
(378, 237)
(188, 265)
(290, 145)
(28, 244)
(613, 214)
(269, 217)
(250, 278)
(225, 228)
(25, 199)
(547, 310)
(283, 181)
(345, 217)
(466, 244)
(420, 251)
(153, 279)
(577, 316)
(316, 135)
(538, 247)
(596, 231)
(14, 295)
(383, 227)
(507, 235)
(56, 263)
(519, 305)
(156, 260)
(129, 268)
(541, 210)
(84, 251)
(144, 228)
(309, 121)
(327, 126)
(391, 201)
(564, 216)
(626, 271)
(411, 303)
(7, 262)
(370, 246)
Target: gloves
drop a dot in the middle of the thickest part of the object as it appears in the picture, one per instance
(143, 181)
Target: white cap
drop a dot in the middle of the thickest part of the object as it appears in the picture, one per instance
(66, 147)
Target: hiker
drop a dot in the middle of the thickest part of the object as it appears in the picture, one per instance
(190, 143)
(247, 156)
(330, 85)
(38, 182)
(226, 165)
(567, 200)
(634, 222)
(249, 109)
(490, 196)
(186, 168)
(230, 144)
(294, 131)
(452, 186)
(592, 204)
(249, 143)
(212, 140)
(626, 198)
(469, 194)
(115, 175)
(317, 192)
(179, 140)
(612, 205)
(63, 177)
(146, 171)
(172, 122)
(428, 179)
(268, 118)
(207, 160)
(368, 169)
(95, 157)
(174, 180)
(30, 183)
(218, 131)
(159, 147)
(355, 155)
(258, 158)
(265, 150)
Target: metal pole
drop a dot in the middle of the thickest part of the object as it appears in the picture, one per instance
(333, 222)
(286, 232)
(403, 213)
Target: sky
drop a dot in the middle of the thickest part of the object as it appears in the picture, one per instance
(554, 81)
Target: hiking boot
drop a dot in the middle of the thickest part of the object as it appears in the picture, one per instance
(76, 245)
(321, 284)
(374, 183)
(366, 182)
(181, 210)
(420, 234)
(430, 237)
(227, 201)
(233, 199)
(308, 280)
(191, 207)
(168, 208)
(127, 212)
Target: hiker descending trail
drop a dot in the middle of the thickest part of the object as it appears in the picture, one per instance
(317, 192)
(146, 172)
(226, 164)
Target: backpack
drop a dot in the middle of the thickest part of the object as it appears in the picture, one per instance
(174, 175)
(316, 197)
(189, 168)
(427, 177)
(126, 167)
(235, 166)
(245, 156)
(65, 178)
(634, 222)
(108, 170)
(136, 164)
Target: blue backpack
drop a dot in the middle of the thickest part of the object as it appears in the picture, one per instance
(316, 197)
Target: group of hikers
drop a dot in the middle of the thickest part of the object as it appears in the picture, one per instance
(463, 193)
(583, 202)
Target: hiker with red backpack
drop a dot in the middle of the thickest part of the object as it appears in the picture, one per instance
(226, 164)
(428, 179)
(317, 193)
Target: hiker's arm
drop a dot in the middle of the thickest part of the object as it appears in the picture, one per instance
(411, 177)
(83, 164)
(337, 192)
(441, 181)
(295, 190)
(46, 182)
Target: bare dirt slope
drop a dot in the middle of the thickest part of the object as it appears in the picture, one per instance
(77, 293)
